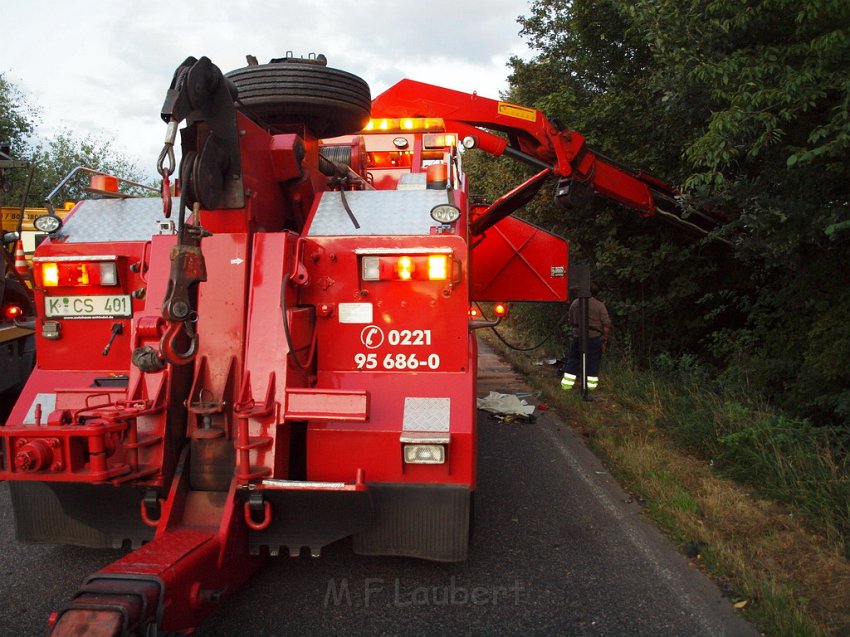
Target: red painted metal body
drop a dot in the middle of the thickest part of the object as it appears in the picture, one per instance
(311, 376)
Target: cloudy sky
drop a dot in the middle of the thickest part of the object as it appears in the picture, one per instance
(104, 67)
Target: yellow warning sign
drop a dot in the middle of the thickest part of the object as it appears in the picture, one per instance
(517, 112)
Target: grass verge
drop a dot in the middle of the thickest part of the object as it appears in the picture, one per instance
(782, 563)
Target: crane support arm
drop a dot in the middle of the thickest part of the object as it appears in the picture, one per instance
(530, 138)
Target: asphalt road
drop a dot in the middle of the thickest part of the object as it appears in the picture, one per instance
(557, 550)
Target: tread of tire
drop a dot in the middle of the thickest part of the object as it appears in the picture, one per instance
(330, 101)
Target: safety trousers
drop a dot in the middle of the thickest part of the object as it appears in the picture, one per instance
(569, 380)
(573, 365)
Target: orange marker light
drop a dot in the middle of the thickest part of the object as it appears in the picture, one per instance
(501, 310)
(50, 274)
(404, 268)
(83, 276)
(406, 124)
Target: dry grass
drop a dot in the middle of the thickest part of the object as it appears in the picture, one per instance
(792, 580)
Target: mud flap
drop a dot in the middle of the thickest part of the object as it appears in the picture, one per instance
(95, 516)
(427, 521)
(311, 518)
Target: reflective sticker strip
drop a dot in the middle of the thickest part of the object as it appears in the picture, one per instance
(355, 312)
(426, 414)
(48, 405)
(517, 112)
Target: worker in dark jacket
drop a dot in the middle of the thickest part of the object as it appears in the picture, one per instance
(599, 330)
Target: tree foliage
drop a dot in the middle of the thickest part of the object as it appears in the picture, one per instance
(17, 122)
(746, 106)
(17, 116)
(54, 157)
(65, 151)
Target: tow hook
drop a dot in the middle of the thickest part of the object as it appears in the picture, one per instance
(187, 269)
(151, 508)
(256, 503)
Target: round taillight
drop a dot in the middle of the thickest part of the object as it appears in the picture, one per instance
(12, 311)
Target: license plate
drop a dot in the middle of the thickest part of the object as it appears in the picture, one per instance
(95, 306)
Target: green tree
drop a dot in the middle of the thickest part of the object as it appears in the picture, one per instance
(596, 74)
(54, 157)
(57, 157)
(746, 105)
(18, 119)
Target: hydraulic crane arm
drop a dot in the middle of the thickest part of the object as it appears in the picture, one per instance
(534, 140)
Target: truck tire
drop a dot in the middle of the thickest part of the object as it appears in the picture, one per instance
(328, 101)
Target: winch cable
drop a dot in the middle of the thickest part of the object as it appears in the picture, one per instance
(517, 348)
(336, 167)
(288, 334)
(521, 349)
(345, 205)
(341, 168)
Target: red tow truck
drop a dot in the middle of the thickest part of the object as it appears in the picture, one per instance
(282, 355)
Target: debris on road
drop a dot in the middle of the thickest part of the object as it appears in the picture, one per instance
(546, 361)
(505, 405)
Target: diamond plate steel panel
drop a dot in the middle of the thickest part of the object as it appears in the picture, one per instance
(426, 414)
(107, 220)
(48, 404)
(379, 212)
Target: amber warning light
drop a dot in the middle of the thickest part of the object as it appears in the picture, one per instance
(61, 274)
(431, 267)
(405, 125)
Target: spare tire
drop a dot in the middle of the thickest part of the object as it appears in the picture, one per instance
(328, 101)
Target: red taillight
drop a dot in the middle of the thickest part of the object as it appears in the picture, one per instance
(500, 310)
(430, 267)
(12, 311)
(76, 274)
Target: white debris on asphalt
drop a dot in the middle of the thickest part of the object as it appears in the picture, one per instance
(505, 404)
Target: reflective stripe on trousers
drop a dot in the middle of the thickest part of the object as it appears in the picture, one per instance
(568, 381)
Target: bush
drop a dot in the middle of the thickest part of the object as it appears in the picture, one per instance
(782, 457)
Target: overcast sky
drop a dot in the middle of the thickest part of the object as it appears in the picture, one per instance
(104, 67)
